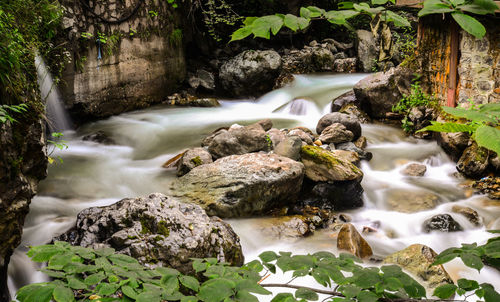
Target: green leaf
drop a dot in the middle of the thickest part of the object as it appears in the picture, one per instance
(488, 108)
(303, 23)
(472, 260)
(253, 287)
(399, 21)
(445, 291)
(490, 295)
(94, 278)
(216, 290)
(41, 294)
(170, 283)
(305, 13)
(349, 290)
(268, 256)
(122, 260)
(392, 284)
(315, 11)
(284, 297)
(492, 248)
(379, 2)
(488, 137)
(199, 265)
(106, 289)
(189, 299)
(53, 274)
(435, 7)
(241, 33)
(304, 293)
(366, 278)
(249, 20)
(367, 296)
(129, 292)
(449, 127)
(31, 291)
(321, 276)
(75, 283)
(468, 285)
(149, 297)
(105, 252)
(43, 253)
(167, 271)
(291, 22)
(190, 282)
(480, 7)
(243, 296)
(254, 265)
(469, 24)
(63, 294)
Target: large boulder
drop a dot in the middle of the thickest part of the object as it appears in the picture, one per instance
(158, 231)
(474, 161)
(341, 195)
(417, 260)
(193, 158)
(241, 185)
(367, 50)
(377, 93)
(239, 140)
(350, 122)
(324, 165)
(442, 223)
(250, 73)
(453, 143)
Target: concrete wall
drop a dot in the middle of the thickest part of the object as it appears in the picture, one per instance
(142, 62)
(478, 63)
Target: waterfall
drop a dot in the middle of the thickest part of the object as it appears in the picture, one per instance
(57, 116)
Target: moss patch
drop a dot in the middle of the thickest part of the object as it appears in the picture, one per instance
(319, 155)
(196, 161)
(163, 228)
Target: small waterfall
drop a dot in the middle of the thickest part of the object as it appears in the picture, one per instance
(57, 116)
(300, 106)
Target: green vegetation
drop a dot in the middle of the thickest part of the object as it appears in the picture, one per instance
(482, 122)
(6, 112)
(263, 26)
(416, 98)
(82, 274)
(56, 143)
(458, 8)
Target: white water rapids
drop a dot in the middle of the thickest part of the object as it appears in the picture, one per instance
(93, 174)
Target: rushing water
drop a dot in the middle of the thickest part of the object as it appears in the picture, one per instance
(93, 174)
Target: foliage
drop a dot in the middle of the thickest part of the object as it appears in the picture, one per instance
(473, 256)
(216, 14)
(458, 8)
(7, 110)
(264, 26)
(56, 143)
(482, 122)
(416, 98)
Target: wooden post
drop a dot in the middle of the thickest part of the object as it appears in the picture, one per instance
(452, 78)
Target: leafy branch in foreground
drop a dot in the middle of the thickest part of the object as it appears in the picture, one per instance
(482, 122)
(7, 110)
(263, 26)
(56, 143)
(458, 8)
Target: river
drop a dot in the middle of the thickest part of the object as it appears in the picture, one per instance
(93, 174)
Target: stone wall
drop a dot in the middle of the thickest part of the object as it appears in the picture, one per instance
(478, 65)
(23, 162)
(142, 58)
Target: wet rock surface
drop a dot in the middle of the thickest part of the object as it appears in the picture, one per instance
(409, 201)
(350, 122)
(342, 100)
(241, 185)
(99, 137)
(453, 143)
(193, 158)
(290, 147)
(417, 260)
(158, 231)
(350, 146)
(469, 213)
(342, 195)
(186, 99)
(474, 161)
(414, 170)
(238, 140)
(349, 239)
(336, 133)
(250, 73)
(324, 165)
(488, 185)
(442, 223)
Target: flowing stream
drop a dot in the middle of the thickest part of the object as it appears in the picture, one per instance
(94, 174)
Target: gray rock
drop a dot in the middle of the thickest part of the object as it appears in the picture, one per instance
(266, 124)
(241, 185)
(442, 223)
(322, 59)
(344, 99)
(453, 143)
(350, 146)
(192, 159)
(158, 231)
(250, 73)
(411, 201)
(186, 99)
(354, 110)
(474, 161)
(324, 165)
(469, 213)
(276, 136)
(347, 65)
(304, 136)
(202, 78)
(340, 195)
(289, 147)
(350, 122)
(367, 50)
(414, 170)
(336, 133)
(239, 140)
(377, 93)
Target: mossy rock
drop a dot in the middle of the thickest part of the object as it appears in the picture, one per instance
(323, 165)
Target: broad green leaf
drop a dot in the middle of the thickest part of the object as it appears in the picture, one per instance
(24, 292)
(315, 11)
(345, 5)
(392, 284)
(250, 286)
(468, 285)
(284, 297)
(63, 294)
(275, 23)
(190, 282)
(43, 253)
(367, 296)
(106, 289)
(480, 7)
(379, 2)
(469, 24)
(303, 23)
(75, 283)
(129, 292)
(94, 278)
(349, 290)
(488, 108)
(449, 127)
(53, 274)
(199, 265)
(321, 276)
(122, 260)
(398, 20)
(472, 260)
(435, 7)
(414, 289)
(472, 115)
(445, 291)
(490, 295)
(492, 249)
(241, 33)
(41, 294)
(261, 28)
(83, 252)
(167, 271)
(488, 137)
(305, 13)
(149, 297)
(171, 283)
(249, 20)
(366, 278)
(244, 296)
(105, 252)
(268, 256)
(216, 290)
(189, 299)
(304, 293)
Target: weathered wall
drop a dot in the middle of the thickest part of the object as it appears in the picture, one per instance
(23, 162)
(478, 65)
(142, 60)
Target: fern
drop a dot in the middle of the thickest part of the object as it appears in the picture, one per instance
(6, 110)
